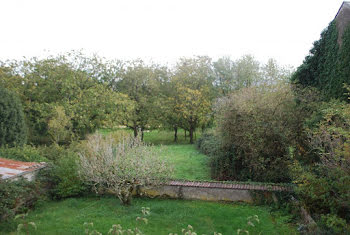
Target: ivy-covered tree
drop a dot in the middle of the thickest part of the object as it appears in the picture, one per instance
(13, 130)
(327, 65)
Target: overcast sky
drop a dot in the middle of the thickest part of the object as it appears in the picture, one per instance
(164, 29)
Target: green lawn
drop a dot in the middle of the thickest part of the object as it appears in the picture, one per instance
(68, 217)
(188, 163)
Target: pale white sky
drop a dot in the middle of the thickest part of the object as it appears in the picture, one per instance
(164, 29)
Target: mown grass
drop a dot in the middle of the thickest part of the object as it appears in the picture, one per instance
(188, 162)
(68, 217)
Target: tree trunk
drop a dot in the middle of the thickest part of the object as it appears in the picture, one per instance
(175, 134)
(185, 134)
(191, 135)
(135, 131)
(142, 134)
(125, 195)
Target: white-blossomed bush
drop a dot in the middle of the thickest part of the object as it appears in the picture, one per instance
(119, 167)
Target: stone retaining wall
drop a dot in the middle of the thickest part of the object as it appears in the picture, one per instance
(208, 191)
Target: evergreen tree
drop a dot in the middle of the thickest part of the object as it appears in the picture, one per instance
(13, 130)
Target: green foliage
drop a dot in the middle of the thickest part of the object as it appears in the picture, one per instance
(323, 184)
(64, 177)
(65, 90)
(193, 86)
(221, 160)
(141, 83)
(17, 197)
(209, 144)
(334, 225)
(258, 125)
(26, 153)
(60, 177)
(13, 130)
(327, 65)
(245, 72)
(59, 126)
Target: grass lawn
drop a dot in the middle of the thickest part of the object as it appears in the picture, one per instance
(68, 217)
(188, 163)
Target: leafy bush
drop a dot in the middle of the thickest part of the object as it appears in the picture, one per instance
(13, 130)
(323, 186)
(26, 153)
(61, 175)
(64, 177)
(55, 152)
(221, 161)
(17, 197)
(258, 125)
(208, 144)
(334, 225)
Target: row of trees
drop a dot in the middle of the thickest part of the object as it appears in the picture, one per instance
(68, 96)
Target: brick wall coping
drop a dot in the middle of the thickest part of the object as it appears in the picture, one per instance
(227, 185)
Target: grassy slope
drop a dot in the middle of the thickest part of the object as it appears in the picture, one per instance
(68, 216)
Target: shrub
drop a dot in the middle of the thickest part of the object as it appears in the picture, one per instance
(60, 177)
(323, 185)
(26, 153)
(221, 159)
(13, 130)
(54, 152)
(119, 167)
(259, 124)
(17, 197)
(334, 225)
(208, 144)
(64, 177)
